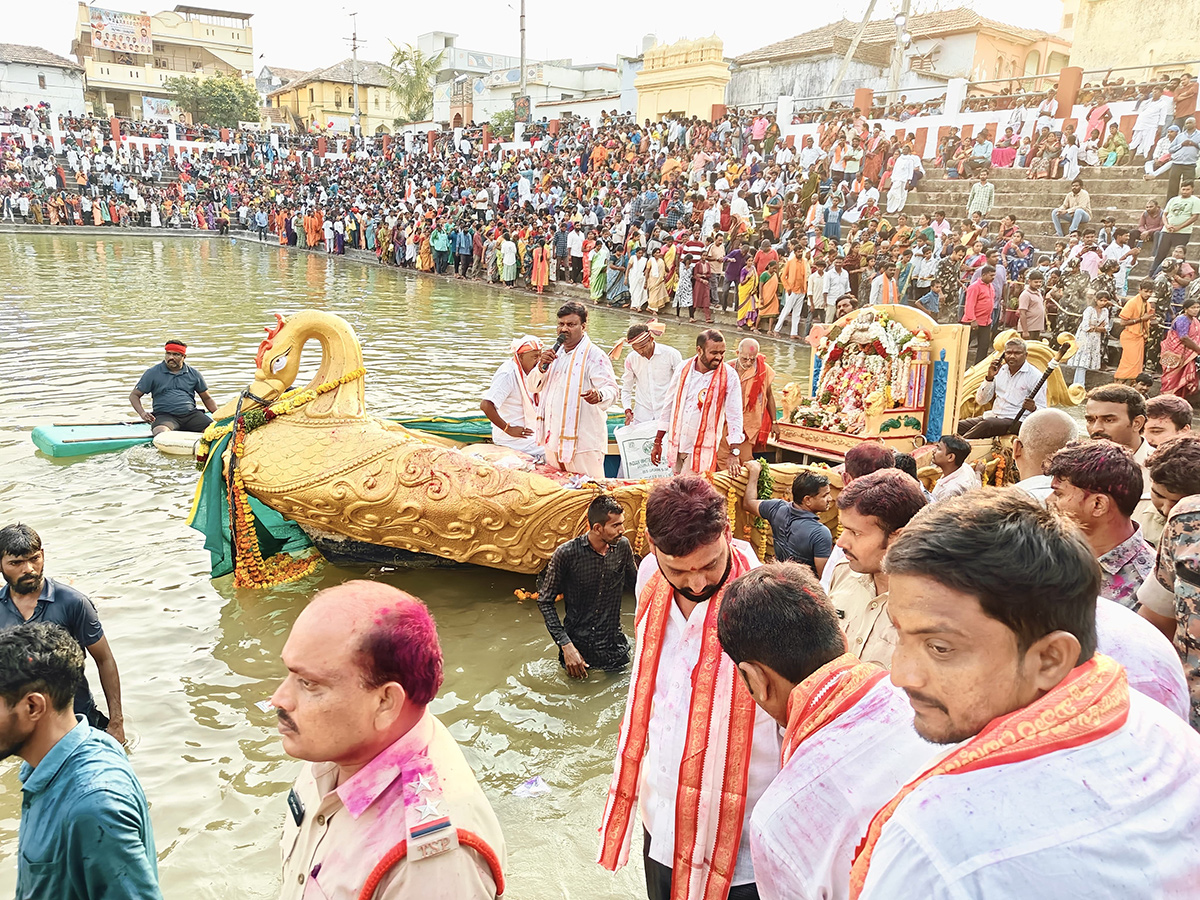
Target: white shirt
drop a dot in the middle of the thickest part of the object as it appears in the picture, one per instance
(960, 481)
(1010, 391)
(696, 384)
(645, 382)
(1037, 487)
(668, 730)
(505, 393)
(575, 243)
(1115, 817)
(807, 825)
(1150, 660)
(836, 283)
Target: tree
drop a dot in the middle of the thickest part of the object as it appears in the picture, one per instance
(502, 124)
(411, 82)
(221, 100)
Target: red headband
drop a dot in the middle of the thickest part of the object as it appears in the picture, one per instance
(177, 348)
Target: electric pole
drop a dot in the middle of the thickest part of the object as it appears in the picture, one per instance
(356, 117)
(522, 48)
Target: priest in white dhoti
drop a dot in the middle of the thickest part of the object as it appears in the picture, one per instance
(704, 405)
(576, 384)
(1056, 780)
(849, 744)
(508, 402)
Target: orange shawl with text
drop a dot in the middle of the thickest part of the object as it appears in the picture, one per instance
(711, 802)
(1091, 702)
(823, 696)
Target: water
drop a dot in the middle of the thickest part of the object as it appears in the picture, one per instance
(82, 318)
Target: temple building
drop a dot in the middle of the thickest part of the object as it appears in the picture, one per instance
(687, 77)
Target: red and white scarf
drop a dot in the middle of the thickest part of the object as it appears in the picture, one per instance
(711, 803)
(702, 458)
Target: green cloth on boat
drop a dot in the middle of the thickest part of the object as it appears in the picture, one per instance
(210, 516)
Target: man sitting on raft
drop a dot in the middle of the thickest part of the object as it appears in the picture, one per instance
(174, 385)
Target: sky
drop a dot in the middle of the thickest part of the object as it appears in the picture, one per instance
(306, 34)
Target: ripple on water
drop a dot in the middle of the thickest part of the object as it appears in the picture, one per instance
(83, 318)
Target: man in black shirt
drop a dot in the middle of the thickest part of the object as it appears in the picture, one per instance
(796, 531)
(591, 573)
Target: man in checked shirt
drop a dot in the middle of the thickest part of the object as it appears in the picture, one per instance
(591, 572)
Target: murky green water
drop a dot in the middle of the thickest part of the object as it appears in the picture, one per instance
(82, 318)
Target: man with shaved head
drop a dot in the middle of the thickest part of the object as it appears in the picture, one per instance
(758, 395)
(1042, 434)
(363, 663)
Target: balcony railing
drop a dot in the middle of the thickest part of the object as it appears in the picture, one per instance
(122, 77)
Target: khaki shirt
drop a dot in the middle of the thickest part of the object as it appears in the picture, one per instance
(870, 634)
(411, 786)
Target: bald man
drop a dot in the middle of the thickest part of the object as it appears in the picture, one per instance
(758, 396)
(363, 663)
(1042, 434)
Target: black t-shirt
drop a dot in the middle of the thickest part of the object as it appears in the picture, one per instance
(798, 534)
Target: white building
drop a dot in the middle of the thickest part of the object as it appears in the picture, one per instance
(31, 75)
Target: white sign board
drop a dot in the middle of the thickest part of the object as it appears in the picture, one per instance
(635, 443)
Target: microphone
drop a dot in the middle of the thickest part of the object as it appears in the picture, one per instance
(558, 342)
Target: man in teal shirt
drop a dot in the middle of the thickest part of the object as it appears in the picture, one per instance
(85, 826)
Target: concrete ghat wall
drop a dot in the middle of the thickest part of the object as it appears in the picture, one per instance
(927, 128)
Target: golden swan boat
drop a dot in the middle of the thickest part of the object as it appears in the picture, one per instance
(317, 457)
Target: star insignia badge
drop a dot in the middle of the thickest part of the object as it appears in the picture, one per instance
(428, 810)
(421, 784)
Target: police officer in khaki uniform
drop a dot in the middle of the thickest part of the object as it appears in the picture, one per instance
(363, 663)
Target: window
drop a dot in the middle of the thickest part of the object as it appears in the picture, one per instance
(377, 100)
(42, 82)
(1032, 61)
(1068, 20)
(337, 97)
(312, 98)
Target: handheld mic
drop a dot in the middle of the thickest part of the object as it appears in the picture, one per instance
(558, 342)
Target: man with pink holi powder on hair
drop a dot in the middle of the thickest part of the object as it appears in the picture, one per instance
(363, 663)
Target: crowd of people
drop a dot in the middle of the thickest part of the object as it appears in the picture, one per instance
(682, 215)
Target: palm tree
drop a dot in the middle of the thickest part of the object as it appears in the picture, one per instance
(411, 84)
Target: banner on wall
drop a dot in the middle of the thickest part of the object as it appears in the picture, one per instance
(160, 109)
(121, 32)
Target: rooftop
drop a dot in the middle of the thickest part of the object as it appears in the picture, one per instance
(210, 11)
(878, 32)
(288, 75)
(34, 56)
(370, 73)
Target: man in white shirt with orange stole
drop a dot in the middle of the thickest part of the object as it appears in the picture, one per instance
(849, 743)
(1058, 780)
(694, 752)
(704, 405)
(576, 389)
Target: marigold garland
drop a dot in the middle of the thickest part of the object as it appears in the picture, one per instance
(250, 569)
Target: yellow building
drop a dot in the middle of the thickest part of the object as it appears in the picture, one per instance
(686, 77)
(324, 96)
(127, 56)
(1153, 35)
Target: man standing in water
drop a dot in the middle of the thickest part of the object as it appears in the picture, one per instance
(363, 663)
(591, 572)
(28, 596)
(688, 713)
(576, 390)
(174, 385)
(85, 825)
